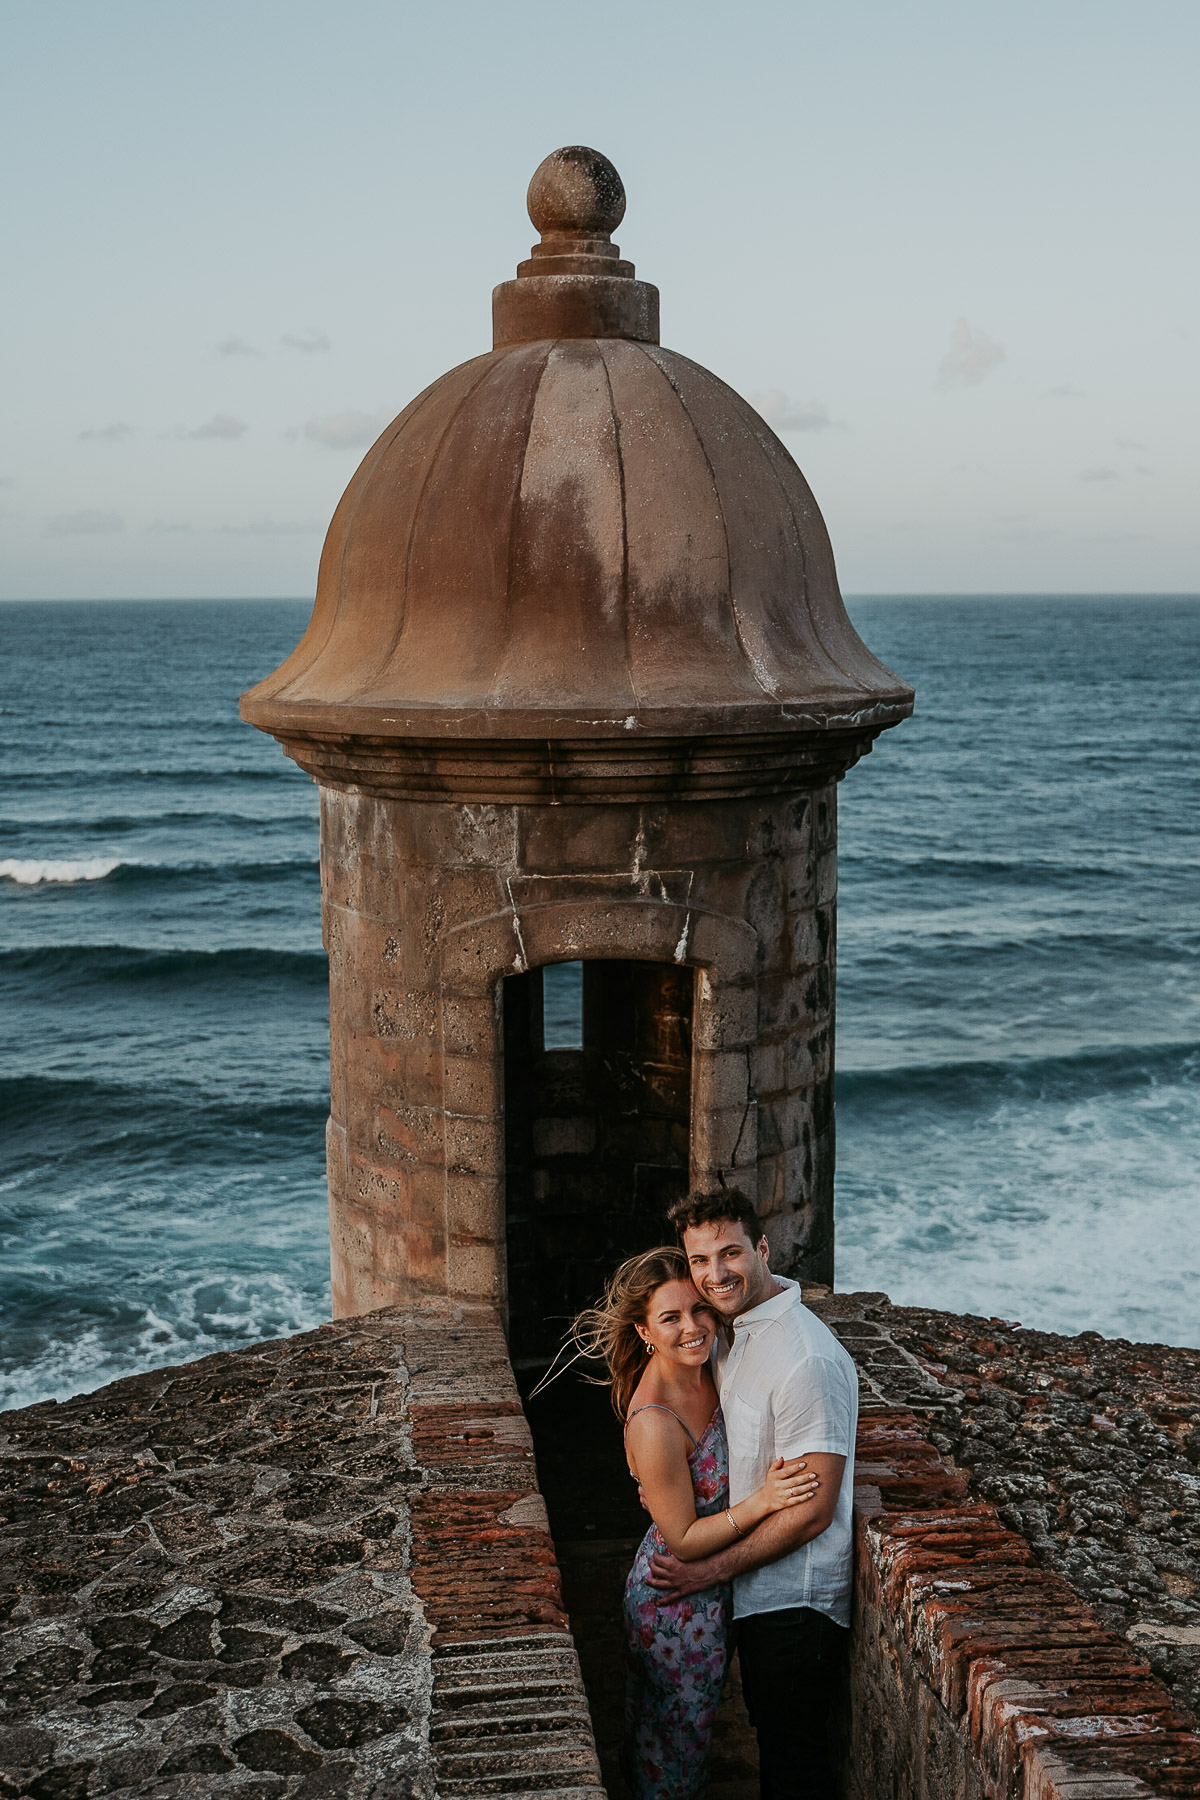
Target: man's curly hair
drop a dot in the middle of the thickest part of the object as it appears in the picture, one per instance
(726, 1204)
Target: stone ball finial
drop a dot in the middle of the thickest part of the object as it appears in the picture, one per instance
(576, 191)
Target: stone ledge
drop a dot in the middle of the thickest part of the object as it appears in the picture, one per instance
(311, 1569)
(1090, 1448)
(1019, 1690)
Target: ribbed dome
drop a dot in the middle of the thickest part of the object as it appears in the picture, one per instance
(581, 535)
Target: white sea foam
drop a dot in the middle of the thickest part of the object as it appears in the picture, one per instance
(257, 1306)
(1070, 1214)
(30, 871)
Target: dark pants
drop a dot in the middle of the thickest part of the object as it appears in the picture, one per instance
(793, 1670)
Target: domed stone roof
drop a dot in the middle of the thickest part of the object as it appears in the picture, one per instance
(579, 535)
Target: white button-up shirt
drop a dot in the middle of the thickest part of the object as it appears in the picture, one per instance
(788, 1388)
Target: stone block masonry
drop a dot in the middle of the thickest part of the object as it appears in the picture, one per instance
(430, 912)
(314, 1568)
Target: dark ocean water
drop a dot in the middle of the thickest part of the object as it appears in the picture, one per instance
(1019, 1002)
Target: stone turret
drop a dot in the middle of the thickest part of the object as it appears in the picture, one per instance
(577, 689)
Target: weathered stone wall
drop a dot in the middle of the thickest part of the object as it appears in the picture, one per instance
(315, 1568)
(428, 907)
(977, 1670)
(1090, 1447)
(322, 1567)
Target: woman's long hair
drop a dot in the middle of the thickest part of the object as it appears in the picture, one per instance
(608, 1331)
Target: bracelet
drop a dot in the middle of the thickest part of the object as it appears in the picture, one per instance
(734, 1523)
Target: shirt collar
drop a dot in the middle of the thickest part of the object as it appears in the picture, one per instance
(766, 1310)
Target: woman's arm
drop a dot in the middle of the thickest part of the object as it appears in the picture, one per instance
(659, 1449)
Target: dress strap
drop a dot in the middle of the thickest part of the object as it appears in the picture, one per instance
(652, 1406)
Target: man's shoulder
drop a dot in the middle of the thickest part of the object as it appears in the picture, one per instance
(809, 1333)
(805, 1346)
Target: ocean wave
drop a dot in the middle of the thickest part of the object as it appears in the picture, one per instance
(945, 938)
(34, 1099)
(138, 1137)
(266, 868)
(219, 1310)
(1117, 1067)
(126, 823)
(118, 963)
(1035, 869)
(41, 777)
(32, 871)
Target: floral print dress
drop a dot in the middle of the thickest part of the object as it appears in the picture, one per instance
(676, 1652)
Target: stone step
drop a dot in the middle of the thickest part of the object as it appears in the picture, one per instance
(498, 1787)
(481, 1678)
(452, 1699)
(497, 1757)
(475, 1790)
(512, 1719)
(512, 1641)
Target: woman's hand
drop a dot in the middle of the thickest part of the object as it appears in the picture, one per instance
(788, 1484)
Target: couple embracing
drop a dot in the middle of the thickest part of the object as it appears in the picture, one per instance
(740, 1409)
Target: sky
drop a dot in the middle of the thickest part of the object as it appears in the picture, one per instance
(949, 250)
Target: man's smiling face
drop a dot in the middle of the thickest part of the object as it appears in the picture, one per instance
(729, 1270)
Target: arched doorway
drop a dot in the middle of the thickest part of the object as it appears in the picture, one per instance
(597, 1122)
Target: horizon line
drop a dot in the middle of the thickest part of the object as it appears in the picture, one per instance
(861, 594)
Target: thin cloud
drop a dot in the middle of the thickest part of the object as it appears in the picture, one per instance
(164, 527)
(1128, 444)
(971, 356)
(1100, 474)
(236, 346)
(272, 527)
(221, 425)
(7, 481)
(310, 340)
(85, 523)
(109, 434)
(792, 415)
(1064, 392)
(348, 430)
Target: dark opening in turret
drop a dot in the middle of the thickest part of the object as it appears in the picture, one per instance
(597, 1078)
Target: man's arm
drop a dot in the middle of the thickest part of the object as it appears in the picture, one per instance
(777, 1536)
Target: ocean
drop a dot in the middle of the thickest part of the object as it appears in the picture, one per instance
(1018, 1011)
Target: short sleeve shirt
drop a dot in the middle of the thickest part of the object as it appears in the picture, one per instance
(788, 1388)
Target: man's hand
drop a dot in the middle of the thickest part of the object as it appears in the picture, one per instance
(777, 1536)
(674, 1579)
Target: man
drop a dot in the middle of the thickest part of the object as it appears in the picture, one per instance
(787, 1388)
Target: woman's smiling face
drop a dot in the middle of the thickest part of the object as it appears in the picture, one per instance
(680, 1326)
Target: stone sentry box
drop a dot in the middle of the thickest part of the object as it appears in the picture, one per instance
(578, 687)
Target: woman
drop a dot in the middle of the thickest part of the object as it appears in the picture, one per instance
(655, 1333)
